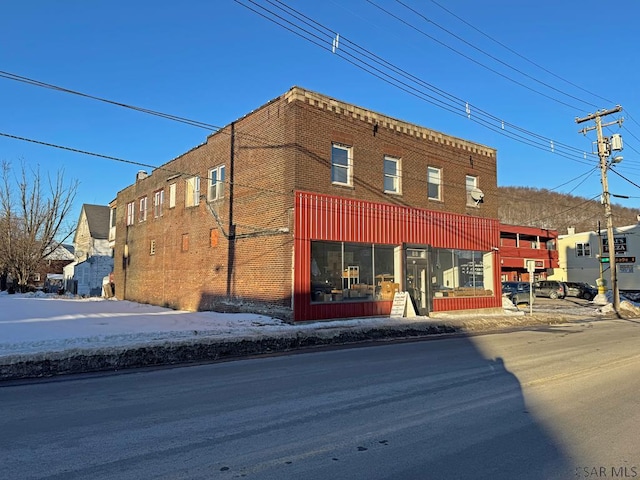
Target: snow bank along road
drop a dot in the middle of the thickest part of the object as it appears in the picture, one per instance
(43, 336)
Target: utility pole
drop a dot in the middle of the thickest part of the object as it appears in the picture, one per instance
(604, 151)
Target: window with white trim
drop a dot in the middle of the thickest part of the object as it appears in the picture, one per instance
(131, 211)
(341, 164)
(392, 175)
(216, 183)
(192, 192)
(158, 201)
(471, 183)
(583, 250)
(172, 195)
(434, 183)
(143, 209)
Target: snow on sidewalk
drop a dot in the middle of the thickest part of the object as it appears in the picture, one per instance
(39, 323)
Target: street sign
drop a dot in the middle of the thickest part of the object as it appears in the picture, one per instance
(619, 260)
(625, 259)
(531, 264)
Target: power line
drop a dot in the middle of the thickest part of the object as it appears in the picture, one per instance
(530, 77)
(38, 83)
(324, 37)
(624, 178)
(506, 47)
(586, 175)
(191, 174)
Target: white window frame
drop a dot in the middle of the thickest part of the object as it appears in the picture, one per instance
(434, 173)
(335, 167)
(131, 212)
(396, 177)
(143, 209)
(172, 195)
(471, 182)
(216, 183)
(192, 192)
(583, 249)
(158, 201)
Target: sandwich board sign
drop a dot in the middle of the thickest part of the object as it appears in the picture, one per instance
(402, 305)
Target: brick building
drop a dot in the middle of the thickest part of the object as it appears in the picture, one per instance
(310, 208)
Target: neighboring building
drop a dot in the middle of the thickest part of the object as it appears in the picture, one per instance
(519, 244)
(52, 266)
(311, 208)
(93, 254)
(580, 253)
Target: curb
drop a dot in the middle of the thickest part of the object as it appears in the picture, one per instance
(51, 364)
(205, 350)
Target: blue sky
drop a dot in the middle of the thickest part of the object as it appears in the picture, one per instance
(534, 65)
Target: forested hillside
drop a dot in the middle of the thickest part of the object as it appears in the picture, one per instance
(546, 209)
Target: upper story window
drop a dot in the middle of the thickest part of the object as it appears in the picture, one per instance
(216, 183)
(583, 250)
(471, 185)
(172, 195)
(434, 183)
(392, 175)
(112, 217)
(341, 164)
(192, 193)
(158, 201)
(131, 209)
(143, 209)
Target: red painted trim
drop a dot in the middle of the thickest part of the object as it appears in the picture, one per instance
(324, 217)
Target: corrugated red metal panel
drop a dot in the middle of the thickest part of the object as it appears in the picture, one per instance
(340, 219)
(324, 217)
(463, 303)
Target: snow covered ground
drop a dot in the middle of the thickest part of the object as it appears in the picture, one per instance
(39, 323)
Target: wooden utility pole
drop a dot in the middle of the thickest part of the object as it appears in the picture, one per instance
(603, 152)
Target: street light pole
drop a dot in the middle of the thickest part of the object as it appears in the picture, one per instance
(604, 152)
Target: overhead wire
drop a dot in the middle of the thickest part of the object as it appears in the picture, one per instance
(452, 108)
(574, 207)
(368, 54)
(210, 126)
(473, 60)
(511, 50)
(329, 34)
(493, 123)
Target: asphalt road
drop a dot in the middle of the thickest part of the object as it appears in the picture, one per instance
(558, 402)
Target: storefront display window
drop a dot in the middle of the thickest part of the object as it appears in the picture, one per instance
(342, 272)
(461, 273)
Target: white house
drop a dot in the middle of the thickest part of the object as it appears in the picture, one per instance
(580, 254)
(93, 253)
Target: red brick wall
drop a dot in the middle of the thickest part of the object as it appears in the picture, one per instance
(321, 124)
(199, 278)
(283, 146)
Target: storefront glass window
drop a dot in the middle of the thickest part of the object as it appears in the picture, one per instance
(461, 273)
(342, 272)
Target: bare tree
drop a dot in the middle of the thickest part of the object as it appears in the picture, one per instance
(32, 212)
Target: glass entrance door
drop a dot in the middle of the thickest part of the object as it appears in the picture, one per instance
(416, 280)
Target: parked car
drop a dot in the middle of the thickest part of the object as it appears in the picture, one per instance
(581, 290)
(550, 288)
(517, 292)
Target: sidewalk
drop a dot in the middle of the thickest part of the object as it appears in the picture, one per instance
(42, 336)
